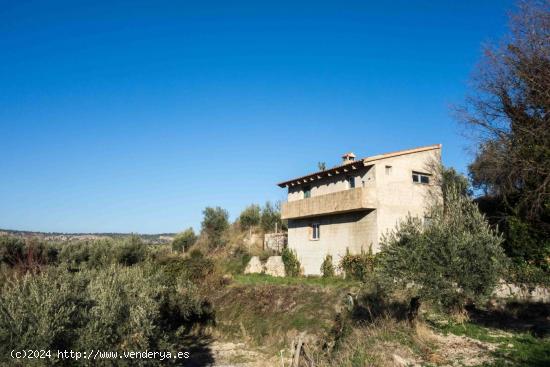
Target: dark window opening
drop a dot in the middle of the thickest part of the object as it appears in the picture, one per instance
(307, 192)
(315, 231)
(351, 182)
(420, 178)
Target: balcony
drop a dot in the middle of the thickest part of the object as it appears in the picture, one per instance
(360, 198)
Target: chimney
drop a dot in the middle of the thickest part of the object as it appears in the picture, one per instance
(348, 157)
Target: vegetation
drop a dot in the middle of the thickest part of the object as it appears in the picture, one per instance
(215, 224)
(455, 259)
(360, 266)
(124, 293)
(292, 265)
(327, 269)
(184, 240)
(111, 295)
(250, 216)
(508, 114)
(271, 218)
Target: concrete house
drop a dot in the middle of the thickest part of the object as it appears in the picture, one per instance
(350, 206)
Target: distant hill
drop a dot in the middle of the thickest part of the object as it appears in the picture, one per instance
(57, 236)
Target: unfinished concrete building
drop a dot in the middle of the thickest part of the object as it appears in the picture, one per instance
(350, 206)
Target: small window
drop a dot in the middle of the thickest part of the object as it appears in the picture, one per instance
(351, 182)
(422, 178)
(388, 170)
(307, 192)
(315, 231)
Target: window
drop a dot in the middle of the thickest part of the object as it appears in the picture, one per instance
(351, 182)
(388, 170)
(315, 231)
(307, 192)
(422, 178)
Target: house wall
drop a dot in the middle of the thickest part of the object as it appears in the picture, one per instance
(397, 195)
(394, 196)
(339, 232)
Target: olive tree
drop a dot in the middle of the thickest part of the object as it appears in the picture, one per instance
(215, 224)
(454, 258)
(250, 216)
(184, 240)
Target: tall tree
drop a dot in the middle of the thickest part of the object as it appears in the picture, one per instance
(509, 115)
(215, 224)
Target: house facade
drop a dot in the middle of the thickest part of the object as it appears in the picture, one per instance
(350, 206)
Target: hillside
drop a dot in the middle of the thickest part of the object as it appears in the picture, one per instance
(62, 237)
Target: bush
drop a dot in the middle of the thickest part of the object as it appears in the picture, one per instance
(197, 266)
(43, 311)
(327, 269)
(215, 224)
(131, 251)
(360, 266)
(455, 259)
(527, 274)
(237, 262)
(11, 250)
(250, 216)
(184, 240)
(75, 254)
(26, 254)
(525, 242)
(115, 308)
(290, 260)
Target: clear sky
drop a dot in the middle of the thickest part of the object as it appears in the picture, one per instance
(134, 116)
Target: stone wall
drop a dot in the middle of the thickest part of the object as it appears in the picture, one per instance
(274, 266)
(522, 292)
(275, 241)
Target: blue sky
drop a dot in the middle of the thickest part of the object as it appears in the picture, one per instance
(134, 116)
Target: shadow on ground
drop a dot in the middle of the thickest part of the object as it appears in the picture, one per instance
(515, 316)
(201, 354)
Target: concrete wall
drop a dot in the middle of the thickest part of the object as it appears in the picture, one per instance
(396, 194)
(339, 232)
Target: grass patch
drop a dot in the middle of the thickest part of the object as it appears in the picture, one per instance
(514, 348)
(269, 311)
(262, 279)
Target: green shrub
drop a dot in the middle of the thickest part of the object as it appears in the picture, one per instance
(197, 266)
(131, 251)
(360, 266)
(43, 311)
(527, 274)
(527, 243)
(327, 268)
(169, 269)
(184, 240)
(124, 312)
(455, 259)
(75, 254)
(290, 260)
(114, 308)
(11, 250)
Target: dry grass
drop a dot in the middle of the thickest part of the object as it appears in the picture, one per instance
(378, 344)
